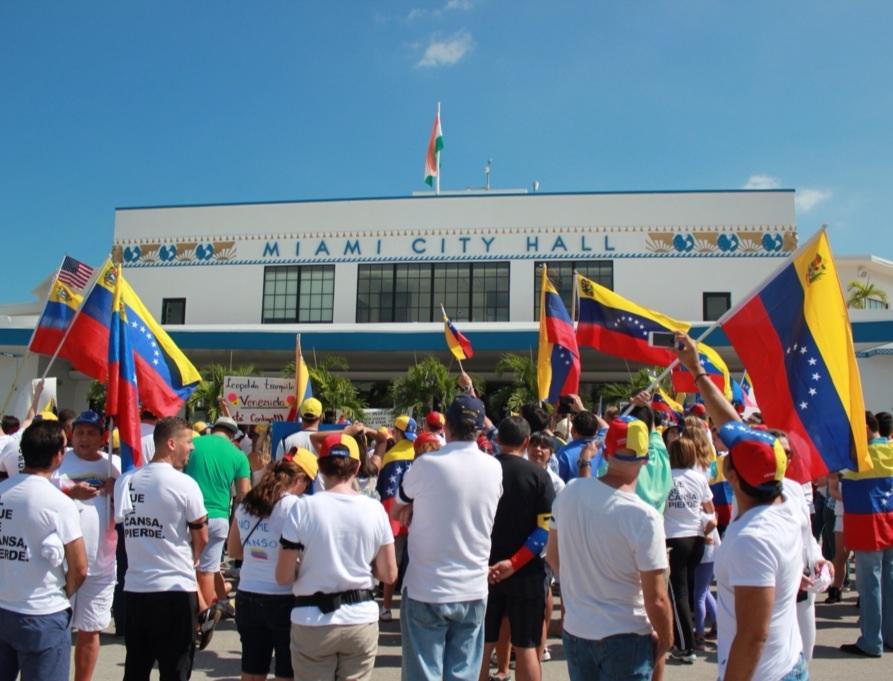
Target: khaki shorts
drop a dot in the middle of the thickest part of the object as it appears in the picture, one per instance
(318, 652)
(92, 603)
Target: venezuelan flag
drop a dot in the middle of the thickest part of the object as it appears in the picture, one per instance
(303, 385)
(712, 364)
(121, 396)
(868, 501)
(662, 402)
(458, 344)
(166, 376)
(61, 307)
(617, 326)
(795, 339)
(722, 493)
(558, 358)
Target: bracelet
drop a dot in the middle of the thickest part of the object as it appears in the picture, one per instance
(700, 375)
(583, 464)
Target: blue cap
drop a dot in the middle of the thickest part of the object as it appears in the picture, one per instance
(89, 418)
(466, 406)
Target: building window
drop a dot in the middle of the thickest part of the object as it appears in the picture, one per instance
(173, 310)
(876, 304)
(414, 292)
(716, 304)
(298, 294)
(561, 274)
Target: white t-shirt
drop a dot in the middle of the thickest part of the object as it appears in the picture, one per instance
(682, 514)
(454, 493)
(31, 510)
(795, 494)
(341, 534)
(11, 459)
(147, 446)
(261, 551)
(246, 445)
(762, 548)
(301, 439)
(605, 539)
(155, 503)
(97, 524)
(557, 483)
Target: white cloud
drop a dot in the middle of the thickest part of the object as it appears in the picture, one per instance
(446, 52)
(458, 4)
(421, 12)
(416, 13)
(761, 182)
(807, 199)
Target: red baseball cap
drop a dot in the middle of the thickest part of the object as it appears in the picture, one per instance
(756, 455)
(435, 420)
(629, 436)
(425, 438)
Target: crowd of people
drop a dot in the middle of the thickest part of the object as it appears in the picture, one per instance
(634, 517)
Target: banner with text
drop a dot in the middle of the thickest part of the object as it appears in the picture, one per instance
(258, 399)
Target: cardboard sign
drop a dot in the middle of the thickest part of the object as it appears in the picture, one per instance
(258, 399)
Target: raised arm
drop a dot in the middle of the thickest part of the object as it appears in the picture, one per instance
(718, 407)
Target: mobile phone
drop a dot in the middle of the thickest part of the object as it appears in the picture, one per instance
(661, 339)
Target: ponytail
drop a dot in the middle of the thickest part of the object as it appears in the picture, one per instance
(277, 479)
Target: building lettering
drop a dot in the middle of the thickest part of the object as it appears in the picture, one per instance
(271, 249)
(352, 247)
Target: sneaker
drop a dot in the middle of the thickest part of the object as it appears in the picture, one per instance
(684, 656)
(833, 596)
(853, 649)
(227, 611)
(700, 643)
(385, 615)
(547, 655)
(207, 620)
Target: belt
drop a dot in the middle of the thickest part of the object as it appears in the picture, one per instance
(331, 602)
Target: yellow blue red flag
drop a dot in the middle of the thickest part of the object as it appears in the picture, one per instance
(558, 358)
(794, 337)
(458, 344)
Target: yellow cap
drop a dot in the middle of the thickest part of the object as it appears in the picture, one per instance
(306, 461)
(311, 407)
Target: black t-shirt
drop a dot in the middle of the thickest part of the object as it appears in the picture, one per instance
(527, 493)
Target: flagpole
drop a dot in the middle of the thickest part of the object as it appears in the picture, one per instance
(111, 428)
(437, 155)
(574, 300)
(92, 284)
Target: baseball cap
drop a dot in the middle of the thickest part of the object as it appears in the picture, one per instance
(311, 407)
(47, 416)
(698, 409)
(627, 439)
(88, 418)
(435, 420)
(425, 438)
(228, 423)
(465, 406)
(339, 444)
(305, 460)
(756, 455)
(407, 425)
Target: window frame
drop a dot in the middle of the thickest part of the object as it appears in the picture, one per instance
(727, 295)
(300, 271)
(164, 316)
(574, 266)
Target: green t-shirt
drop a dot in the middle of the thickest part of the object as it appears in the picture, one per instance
(215, 464)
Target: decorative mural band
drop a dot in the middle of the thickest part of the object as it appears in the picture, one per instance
(476, 244)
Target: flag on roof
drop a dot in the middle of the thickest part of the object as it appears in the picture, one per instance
(558, 358)
(435, 144)
(794, 336)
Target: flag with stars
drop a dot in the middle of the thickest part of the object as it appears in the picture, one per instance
(396, 461)
(794, 337)
(165, 376)
(558, 358)
(712, 364)
(617, 326)
(121, 395)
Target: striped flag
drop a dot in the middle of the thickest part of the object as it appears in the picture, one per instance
(75, 274)
(303, 385)
(432, 158)
(458, 344)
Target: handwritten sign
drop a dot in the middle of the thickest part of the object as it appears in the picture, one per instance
(258, 399)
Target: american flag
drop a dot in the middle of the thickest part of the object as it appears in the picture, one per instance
(74, 273)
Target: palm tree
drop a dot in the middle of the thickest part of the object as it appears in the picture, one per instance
(620, 392)
(859, 293)
(425, 385)
(96, 396)
(523, 388)
(211, 386)
(334, 391)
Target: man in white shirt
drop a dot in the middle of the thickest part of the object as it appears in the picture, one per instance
(165, 529)
(453, 493)
(88, 476)
(608, 549)
(759, 566)
(39, 529)
(311, 413)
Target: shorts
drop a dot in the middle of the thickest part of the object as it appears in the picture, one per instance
(92, 603)
(212, 554)
(838, 517)
(522, 599)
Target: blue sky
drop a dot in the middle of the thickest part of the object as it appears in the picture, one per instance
(108, 104)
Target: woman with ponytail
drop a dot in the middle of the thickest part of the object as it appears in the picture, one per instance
(263, 607)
